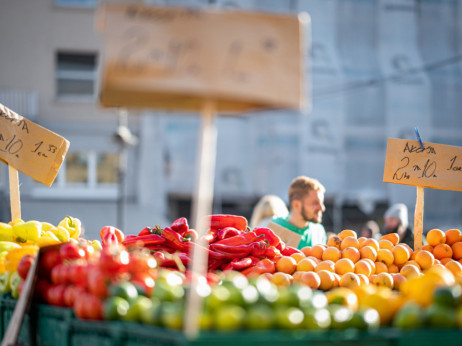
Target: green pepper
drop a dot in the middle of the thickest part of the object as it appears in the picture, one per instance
(72, 225)
(15, 281)
(29, 230)
(5, 279)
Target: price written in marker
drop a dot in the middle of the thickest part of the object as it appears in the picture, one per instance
(30, 148)
(435, 166)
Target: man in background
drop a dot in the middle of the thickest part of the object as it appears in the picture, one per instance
(306, 207)
(396, 221)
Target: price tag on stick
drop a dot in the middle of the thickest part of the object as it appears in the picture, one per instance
(30, 149)
(436, 166)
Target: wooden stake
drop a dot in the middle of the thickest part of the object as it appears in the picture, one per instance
(14, 193)
(418, 218)
(202, 206)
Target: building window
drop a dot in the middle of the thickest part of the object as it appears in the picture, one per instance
(76, 76)
(76, 3)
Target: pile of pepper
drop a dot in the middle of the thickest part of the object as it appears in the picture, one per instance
(232, 245)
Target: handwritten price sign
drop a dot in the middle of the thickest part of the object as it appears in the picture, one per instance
(174, 58)
(30, 148)
(435, 166)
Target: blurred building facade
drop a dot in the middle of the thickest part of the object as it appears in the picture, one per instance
(377, 68)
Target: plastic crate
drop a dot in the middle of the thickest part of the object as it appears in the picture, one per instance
(53, 324)
(431, 337)
(27, 332)
(87, 333)
(136, 334)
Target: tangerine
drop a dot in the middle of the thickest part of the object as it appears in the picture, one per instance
(331, 253)
(441, 251)
(435, 237)
(455, 267)
(453, 236)
(344, 265)
(351, 253)
(286, 264)
(425, 259)
(457, 250)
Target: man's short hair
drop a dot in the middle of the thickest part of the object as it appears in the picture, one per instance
(301, 186)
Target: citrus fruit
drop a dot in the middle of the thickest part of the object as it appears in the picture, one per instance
(410, 316)
(435, 237)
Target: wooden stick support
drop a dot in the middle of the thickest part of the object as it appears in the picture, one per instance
(14, 193)
(202, 206)
(418, 218)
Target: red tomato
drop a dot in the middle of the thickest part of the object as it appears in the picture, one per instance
(69, 295)
(98, 281)
(140, 262)
(24, 264)
(114, 260)
(145, 281)
(71, 251)
(41, 289)
(88, 306)
(60, 274)
(78, 274)
(56, 294)
(48, 260)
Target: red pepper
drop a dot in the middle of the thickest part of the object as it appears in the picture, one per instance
(259, 248)
(271, 252)
(142, 240)
(170, 261)
(272, 238)
(227, 232)
(111, 235)
(175, 240)
(156, 248)
(241, 263)
(180, 225)
(219, 221)
(190, 235)
(210, 236)
(242, 239)
(215, 263)
(261, 267)
(146, 231)
(289, 250)
(281, 246)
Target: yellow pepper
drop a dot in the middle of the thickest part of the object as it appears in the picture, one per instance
(13, 256)
(8, 245)
(72, 225)
(48, 238)
(61, 233)
(46, 226)
(6, 232)
(29, 230)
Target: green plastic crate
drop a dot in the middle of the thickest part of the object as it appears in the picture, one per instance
(431, 337)
(27, 332)
(53, 324)
(136, 334)
(87, 333)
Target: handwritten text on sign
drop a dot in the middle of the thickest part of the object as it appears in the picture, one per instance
(173, 58)
(435, 166)
(30, 148)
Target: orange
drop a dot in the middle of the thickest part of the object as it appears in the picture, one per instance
(306, 265)
(344, 265)
(414, 263)
(415, 253)
(445, 260)
(361, 240)
(349, 242)
(297, 256)
(455, 267)
(398, 280)
(385, 256)
(410, 271)
(400, 254)
(306, 250)
(347, 233)
(331, 253)
(316, 260)
(371, 262)
(327, 280)
(383, 279)
(286, 264)
(457, 250)
(363, 267)
(425, 259)
(316, 251)
(411, 251)
(428, 248)
(453, 236)
(363, 279)
(350, 280)
(336, 280)
(281, 279)
(435, 237)
(380, 267)
(371, 242)
(441, 251)
(393, 268)
(385, 244)
(392, 237)
(334, 241)
(351, 253)
(368, 252)
(310, 279)
(325, 265)
(371, 278)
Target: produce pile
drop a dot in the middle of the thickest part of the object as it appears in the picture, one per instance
(254, 281)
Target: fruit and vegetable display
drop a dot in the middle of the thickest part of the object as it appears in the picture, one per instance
(254, 280)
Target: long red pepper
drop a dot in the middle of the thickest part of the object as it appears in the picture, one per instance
(219, 221)
(175, 240)
(241, 239)
(180, 225)
(149, 239)
(272, 238)
(227, 232)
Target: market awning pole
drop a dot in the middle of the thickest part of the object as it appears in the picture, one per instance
(14, 193)
(202, 206)
(418, 218)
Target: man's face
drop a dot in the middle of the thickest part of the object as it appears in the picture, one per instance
(312, 206)
(391, 224)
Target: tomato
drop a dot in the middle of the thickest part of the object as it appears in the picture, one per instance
(71, 251)
(60, 274)
(145, 281)
(78, 274)
(41, 289)
(140, 262)
(98, 281)
(69, 295)
(114, 260)
(48, 260)
(55, 295)
(88, 306)
(24, 264)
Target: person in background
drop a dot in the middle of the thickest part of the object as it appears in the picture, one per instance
(370, 229)
(268, 206)
(396, 221)
(306, 207)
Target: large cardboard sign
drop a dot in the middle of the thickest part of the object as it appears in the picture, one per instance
(436, 166)
(30, 148)
(286, 235)
(174, 58)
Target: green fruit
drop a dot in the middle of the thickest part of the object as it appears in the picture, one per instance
(447, 296)
(287, 296)
(259, 317)
(205, 320)
(410, 316)
(151, 314)
(438, 316)
(365, 319)
(316, 319)
(124, 289)
(165, 292)
(229, 317)
(136, 307)
(289, 317)
(340, 316)
(171, 315)
(114, 308)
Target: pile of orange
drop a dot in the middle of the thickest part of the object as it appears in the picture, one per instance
(349, 261)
